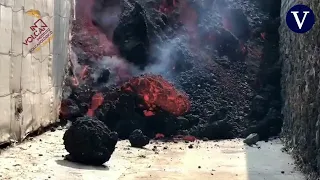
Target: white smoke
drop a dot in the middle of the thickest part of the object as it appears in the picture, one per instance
(166, 53)
(118, 67)
(106, 15)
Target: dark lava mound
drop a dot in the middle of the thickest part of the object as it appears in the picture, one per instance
(219, 73)
(89, 141)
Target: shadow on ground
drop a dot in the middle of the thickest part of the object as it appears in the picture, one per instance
(81, 166)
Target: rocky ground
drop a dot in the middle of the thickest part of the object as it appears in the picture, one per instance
(42, 158)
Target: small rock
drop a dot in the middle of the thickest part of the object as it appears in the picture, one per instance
(190, 146)
(40, 154)
(138, 139)
(166, 147)
(154, 148)
(205, 139)
(199, 167)
(142, 156)
(282, 172)
(251, 139)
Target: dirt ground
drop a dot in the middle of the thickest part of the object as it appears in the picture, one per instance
(41, 158)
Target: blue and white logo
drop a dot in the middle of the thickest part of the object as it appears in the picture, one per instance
(300, 18)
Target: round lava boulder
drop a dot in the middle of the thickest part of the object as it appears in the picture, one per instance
(138, 139)
(89, 141)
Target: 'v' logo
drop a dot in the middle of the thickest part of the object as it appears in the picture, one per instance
(296, 17)
(300, 18)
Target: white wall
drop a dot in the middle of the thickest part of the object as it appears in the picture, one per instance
(30, 84)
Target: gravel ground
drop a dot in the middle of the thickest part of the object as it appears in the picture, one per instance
(41, 158)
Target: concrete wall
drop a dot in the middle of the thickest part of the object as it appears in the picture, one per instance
(300, 55)
(30, 84)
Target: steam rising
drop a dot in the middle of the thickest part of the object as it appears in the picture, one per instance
(166, 53)
(105, 15)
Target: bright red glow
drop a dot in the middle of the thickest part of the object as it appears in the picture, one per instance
(159, 136)
(97, 100)
(157, 92)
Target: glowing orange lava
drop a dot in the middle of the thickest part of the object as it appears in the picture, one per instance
(84, 72)
(263, 35)
(75, 81)
(96, 101)
(157, 92)
(168, 6)
(159, 136)
(185, 138)
(189, 138)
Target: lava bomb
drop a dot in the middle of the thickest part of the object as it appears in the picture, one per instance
(138, 139)
(89, 141)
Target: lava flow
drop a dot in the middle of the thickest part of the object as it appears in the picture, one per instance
(96, 101)
(158, 93)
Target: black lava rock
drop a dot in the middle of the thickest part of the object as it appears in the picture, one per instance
(70, 110)
(131, 35)
(89, 141)
(138, 139)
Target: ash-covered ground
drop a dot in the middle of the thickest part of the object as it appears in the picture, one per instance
(202, 68)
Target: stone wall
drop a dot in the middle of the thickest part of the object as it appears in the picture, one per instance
(300, 55)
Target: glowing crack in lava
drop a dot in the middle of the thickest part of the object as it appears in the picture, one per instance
(96, 101)
(168, 6)
(158, 93)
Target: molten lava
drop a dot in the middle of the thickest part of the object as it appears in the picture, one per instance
(168, 6)
(158, 93)
(75, 81)
(159, 136)
(84, 72)
(96, 101)
(189, 138)
(185, 138)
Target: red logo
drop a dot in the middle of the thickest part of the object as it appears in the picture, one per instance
(40, 33)
(39, 29)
